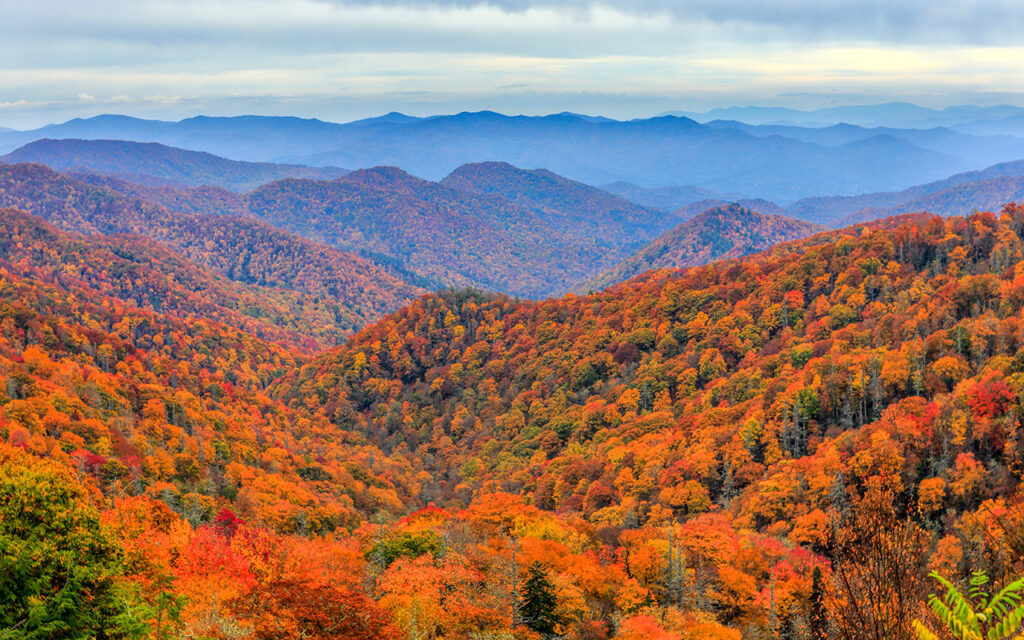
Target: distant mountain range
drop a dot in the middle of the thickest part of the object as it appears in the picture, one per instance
(721, 158)
(155, 164)
(986, 193)
(982, 150)
(891, 114)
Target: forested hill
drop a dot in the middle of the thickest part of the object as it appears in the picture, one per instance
(580, 209)
(884, 356)
(719, 452)
(450, 236)
(338, 292)
(728, 231)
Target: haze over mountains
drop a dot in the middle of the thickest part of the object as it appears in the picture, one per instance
(156, 164)
(831, 210)
(777, 164)
(891, 114)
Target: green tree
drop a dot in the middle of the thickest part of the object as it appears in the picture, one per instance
(817, 616)
(57, 568)
(405, 544)
(537, 601)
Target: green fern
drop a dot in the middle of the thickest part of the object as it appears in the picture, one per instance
(977, 615)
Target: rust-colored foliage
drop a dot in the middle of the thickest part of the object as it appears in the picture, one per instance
(740, 448)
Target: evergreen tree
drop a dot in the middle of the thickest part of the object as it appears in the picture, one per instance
(538, 602)
(817, 616)
(57, 568)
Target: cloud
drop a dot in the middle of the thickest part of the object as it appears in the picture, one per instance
(501, 54)
(977, 22)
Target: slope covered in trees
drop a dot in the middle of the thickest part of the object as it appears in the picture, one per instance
(337, 292)
(146, 274)
(451, 236)
(728, 231)
(133, 362)
(581, 209)
(205, 200)
(868, 380)
(778, 445)
(158, 165)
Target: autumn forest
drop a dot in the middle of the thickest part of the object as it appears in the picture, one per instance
(253, 400)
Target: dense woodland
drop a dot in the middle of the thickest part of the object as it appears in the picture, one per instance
(717, 233)
(454, 237)
(776, 446)
(337, 291)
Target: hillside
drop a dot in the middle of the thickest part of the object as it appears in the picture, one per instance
(145, 274)
(578, 208)
(159, 165)
(694, 209)
(336, 292)
(697, 454)
(205, 200)
(450, 236)
(719, 233)
(863, 377)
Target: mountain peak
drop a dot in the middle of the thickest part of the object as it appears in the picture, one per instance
(385, 177)
(722, 231)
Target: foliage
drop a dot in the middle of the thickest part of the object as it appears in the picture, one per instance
(728, 231)
(762, 446)
(978, 614)
(57, 567)
(287, 609)
(285, 281)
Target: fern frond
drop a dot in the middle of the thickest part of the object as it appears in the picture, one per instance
(922, 632)
(1009, 595)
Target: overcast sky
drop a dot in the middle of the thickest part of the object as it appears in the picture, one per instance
(344, 59)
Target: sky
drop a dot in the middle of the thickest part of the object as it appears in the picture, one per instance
(345, 59)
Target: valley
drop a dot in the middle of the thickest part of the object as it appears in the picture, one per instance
(248, 398)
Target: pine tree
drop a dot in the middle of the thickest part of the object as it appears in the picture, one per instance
(817, 616)
(538, 602)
